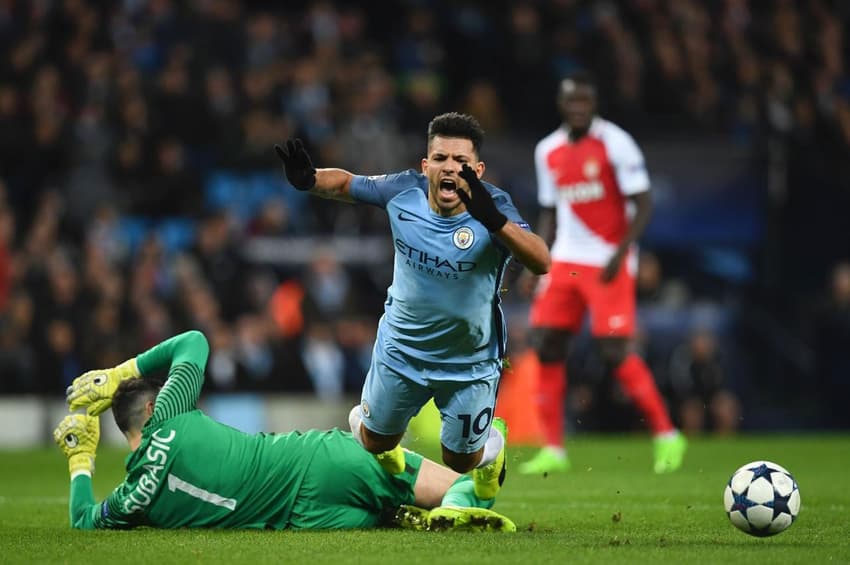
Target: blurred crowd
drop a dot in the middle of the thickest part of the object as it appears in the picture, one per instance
(131, 113)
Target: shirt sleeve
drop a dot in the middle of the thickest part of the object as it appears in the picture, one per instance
(380, 189)
(627, 160)
(547, 192)
(86, 514)
(82, 505)
(186, 356)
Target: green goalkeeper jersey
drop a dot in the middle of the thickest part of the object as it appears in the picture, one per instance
(191, 471)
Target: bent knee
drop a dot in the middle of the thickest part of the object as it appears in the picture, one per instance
(461, 462)
(378, 443)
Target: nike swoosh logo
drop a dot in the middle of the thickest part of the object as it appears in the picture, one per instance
(473, 440)
(406, 217)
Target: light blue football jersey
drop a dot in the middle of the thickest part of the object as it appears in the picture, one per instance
(443, 305)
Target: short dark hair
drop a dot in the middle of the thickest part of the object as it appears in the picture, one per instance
(576, 78)
(128, 402)
(455, 124)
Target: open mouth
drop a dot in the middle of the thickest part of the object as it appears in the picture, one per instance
(448, 186)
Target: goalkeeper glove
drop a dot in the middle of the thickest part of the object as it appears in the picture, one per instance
(297, 165)
(480, 204)
(94, 389)
(77, 436)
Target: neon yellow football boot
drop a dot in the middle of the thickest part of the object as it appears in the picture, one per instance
(669, 451)
(488, 480)
(410, 517)
(468, 519)
(547, 460)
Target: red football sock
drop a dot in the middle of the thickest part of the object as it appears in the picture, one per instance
(550, 401)
(639, 385)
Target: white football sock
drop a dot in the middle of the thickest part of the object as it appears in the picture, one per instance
(354, 421)
(494, 445)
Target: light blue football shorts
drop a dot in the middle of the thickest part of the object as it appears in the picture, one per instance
(397, 386)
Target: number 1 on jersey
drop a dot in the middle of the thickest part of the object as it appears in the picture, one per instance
(176, 483)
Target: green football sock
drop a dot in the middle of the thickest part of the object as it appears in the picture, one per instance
(462, 494)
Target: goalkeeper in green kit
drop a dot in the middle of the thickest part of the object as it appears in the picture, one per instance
(188, 471)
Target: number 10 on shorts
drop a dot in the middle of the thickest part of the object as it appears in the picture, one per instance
(475, 426)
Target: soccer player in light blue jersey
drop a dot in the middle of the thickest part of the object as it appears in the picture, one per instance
(442, 334)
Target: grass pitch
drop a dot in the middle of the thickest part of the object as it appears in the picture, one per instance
(609, 509)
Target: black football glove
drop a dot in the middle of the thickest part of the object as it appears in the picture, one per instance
(480, 205)
(297, 165)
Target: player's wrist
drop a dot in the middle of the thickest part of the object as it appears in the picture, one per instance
(80, 472)
(81, 463)
(495, 221)
(303, 179)
(127, 370)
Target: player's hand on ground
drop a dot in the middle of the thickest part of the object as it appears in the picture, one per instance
(613, 267)
(297, 164)
(93, 390)
(478, 202)
(77, 435)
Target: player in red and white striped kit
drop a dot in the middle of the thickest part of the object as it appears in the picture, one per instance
(593, 189)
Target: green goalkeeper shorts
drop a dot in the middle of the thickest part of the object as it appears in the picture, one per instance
(345, 487)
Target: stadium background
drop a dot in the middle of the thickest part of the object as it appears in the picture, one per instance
(140, 196)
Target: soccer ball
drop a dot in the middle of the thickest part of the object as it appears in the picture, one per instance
(762, 498)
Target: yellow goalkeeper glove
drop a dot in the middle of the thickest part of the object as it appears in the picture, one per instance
(77, 436)
(94, 389)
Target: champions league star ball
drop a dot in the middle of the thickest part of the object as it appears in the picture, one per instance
(762, 499)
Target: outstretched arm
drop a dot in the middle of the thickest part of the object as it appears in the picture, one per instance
(334, 184)
(300, 172)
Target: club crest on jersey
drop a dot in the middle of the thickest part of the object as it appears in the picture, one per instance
(463, 238)
(591, 169)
